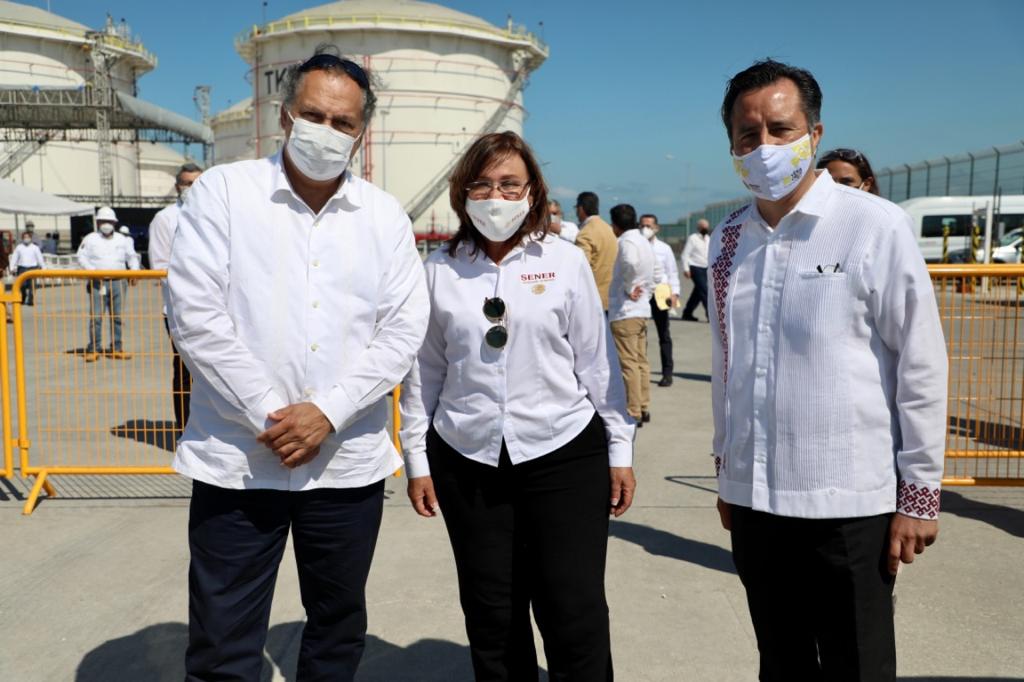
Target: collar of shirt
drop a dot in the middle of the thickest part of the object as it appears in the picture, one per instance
(811, 204)
(280, 185)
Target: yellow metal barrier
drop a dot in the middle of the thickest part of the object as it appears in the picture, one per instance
(982, 310)
(90, 408)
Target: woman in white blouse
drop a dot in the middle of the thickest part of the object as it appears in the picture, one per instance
(515, 424)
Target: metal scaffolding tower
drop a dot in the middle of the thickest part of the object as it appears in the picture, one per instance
(103, 99)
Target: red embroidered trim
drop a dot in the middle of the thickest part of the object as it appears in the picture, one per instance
(917, 500)
(721, 272)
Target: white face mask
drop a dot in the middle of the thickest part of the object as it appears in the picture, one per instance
(498, 219)
(318, 151)
(106, 228)
(772, 171)
(647, 232)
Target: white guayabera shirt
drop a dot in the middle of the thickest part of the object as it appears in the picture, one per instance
(271, 304)
(538, 392)
(828, 360)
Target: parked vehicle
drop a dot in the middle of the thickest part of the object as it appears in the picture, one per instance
(932, 214)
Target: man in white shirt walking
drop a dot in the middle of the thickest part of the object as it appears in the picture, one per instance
(694, 260)
(161, 236)
(629, 309)
(27, 256)
(828, 389)
(105, 249)
(666, 272)
(297, 299)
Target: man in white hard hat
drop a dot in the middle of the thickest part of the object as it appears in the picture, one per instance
(161, 235)
(106, 250)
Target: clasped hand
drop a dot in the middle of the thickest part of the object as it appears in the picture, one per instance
(298, 433)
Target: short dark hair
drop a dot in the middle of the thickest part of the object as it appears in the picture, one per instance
(855, 159)
(327, 57)
(187, 168)
(486, 151)
(764, 73)
(589, 203)
(651, 216)
(624, 217)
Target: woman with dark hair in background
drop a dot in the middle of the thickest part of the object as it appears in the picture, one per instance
(514, 422)
(851, 168)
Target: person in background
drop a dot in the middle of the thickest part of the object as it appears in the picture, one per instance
(513, 421)
(27, 256)
(49, 244)
(668, 273)
(295, 294)
(161, 236)
(105, 249)
(597, 241)
(694, 260)
(851, 168)
(559, 225)
(828, 384)
(629, 309)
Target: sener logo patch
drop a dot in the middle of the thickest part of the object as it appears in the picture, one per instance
(532, 278)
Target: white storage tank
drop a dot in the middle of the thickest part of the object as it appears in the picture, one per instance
(444, 76)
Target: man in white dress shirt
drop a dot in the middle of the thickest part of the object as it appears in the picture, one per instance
(161, 236)
(27, 256)
(694, 260)
(106, 249)
(666, 272)
(628, 309)
(828, 388)
(559, 225)
(297, 299)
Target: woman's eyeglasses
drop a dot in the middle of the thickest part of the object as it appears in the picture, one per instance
(510, 189)
(494, 310)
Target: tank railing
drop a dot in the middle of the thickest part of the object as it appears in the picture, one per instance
(112, 40)
(515, 32)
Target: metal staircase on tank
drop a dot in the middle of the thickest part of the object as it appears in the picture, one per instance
(426, 197)
(21, 152)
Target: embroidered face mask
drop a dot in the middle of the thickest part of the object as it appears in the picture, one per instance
(772, 171)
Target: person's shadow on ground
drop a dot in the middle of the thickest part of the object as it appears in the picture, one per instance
(157, 654)
(663, 543)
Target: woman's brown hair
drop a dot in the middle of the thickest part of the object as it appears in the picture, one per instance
(481, 155)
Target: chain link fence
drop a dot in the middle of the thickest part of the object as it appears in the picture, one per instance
(997, 170)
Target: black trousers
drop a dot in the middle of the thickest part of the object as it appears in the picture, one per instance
(28, 288)
(181, 386)
(699, 295)
(820, 595)
(237, 538)
(535, 533)
(660, 318)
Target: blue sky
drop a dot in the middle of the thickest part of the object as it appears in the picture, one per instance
(627, 104)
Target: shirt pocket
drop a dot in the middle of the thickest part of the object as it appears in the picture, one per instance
(817, 311)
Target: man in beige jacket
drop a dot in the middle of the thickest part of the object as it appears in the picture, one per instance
(598, 243)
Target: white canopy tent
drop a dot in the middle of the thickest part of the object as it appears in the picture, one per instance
(18, 199)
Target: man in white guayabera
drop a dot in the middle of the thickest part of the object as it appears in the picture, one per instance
(297, 299)
(828, 391)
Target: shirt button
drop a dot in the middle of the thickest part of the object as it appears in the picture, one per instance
(315, 347)
(316, 304)
(316, 263)
(761, 372)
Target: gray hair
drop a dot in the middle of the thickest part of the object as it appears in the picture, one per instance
(293, 80)
(187, 168)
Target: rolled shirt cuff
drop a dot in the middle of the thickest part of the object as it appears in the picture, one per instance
(271, 402)
(416, 464)
(918, 499)
(337, 407)
(620, 453)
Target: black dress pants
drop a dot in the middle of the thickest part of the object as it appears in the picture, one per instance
(534, 533)
(181, 386)
(820, 595)
(237, 538)
(699, 295)
(660, 318)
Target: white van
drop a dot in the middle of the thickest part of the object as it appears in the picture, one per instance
(932, 214)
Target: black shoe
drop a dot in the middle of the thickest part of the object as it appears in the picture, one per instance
(666, 380)
(639, 424)
(690, 318)
(645, 417)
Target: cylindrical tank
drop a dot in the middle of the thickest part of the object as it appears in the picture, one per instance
(233, 133)
(43, 50)
(443, 75)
